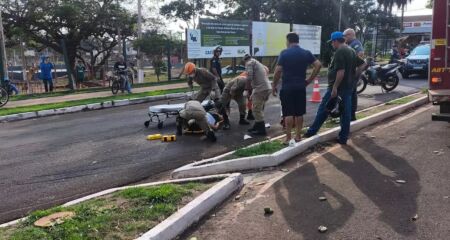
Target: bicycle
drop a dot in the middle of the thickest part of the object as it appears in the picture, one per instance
(4, 96)
(119, 82)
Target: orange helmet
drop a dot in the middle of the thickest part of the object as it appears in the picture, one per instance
(189, 68)
(243, 74)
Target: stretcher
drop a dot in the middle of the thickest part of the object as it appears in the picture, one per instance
(159, 113)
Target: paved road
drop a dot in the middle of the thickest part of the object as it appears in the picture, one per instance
(365, 201)
(47, 161)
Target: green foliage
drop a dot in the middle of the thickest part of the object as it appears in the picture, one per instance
(388, 4)
(268, 147)
(123, 215)
(430, 4)
(186, 11)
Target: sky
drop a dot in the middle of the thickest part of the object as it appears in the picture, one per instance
(416, 7)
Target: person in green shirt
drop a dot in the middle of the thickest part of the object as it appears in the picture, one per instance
(80, 69)
(345, 64)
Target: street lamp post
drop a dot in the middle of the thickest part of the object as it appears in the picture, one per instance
(340, 14)
(139, 60)
(3, 60)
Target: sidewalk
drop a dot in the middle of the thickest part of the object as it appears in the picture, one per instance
(81, 96)
(364, 199)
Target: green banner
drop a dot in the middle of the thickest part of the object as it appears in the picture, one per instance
(228, 33)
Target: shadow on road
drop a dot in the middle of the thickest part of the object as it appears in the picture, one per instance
(301, 208)
(397, 202)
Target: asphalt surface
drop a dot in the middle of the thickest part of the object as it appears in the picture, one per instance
(49, 161)
(364, 199)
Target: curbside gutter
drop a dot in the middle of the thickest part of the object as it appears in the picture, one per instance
(90, 107)
(178, 222)
(214, 166)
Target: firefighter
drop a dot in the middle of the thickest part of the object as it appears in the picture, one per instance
(258, 83)
(195, 113)
(206, 80)
(249, 101)
(234, 90)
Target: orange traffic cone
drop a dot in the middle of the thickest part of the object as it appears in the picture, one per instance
(316, 98)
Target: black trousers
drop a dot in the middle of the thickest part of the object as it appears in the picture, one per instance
(48, 85)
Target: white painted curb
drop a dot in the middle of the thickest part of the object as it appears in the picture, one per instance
(213, 166)
(178, 222)
(94, 106)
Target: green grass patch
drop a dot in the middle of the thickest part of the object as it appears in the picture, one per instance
(267, 147)
(33, 108)
(402, 100)
(122, 215)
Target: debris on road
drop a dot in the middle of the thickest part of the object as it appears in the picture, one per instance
(440, 152)
(53, 219)
(446, 197)
(415, 217)
(246, 137)
(402, 136)
(237, 198)
(169, 138)
(400, 181)
(373, 137)
(284, 170)
(260, 183)
(322, 199)
(322, 229)
(268, 211)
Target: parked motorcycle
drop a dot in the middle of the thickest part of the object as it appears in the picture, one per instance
(387, 76)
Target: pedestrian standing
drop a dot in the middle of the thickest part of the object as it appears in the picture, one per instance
(80, 69)
(355, 44)
(206, 80)
(46, 73)
(341, 73)
(291, 69)
(258, 83)
(121, 69)
(216, 67)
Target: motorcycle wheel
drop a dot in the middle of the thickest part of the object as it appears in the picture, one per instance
(115, 87)
(390, 84)
(4, 97)
(361, 84)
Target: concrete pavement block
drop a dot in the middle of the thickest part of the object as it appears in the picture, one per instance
(118, 103)
(12, 117)
(94, 106)
(107, 104)
(27, 115)
(178, 222)
(138, 100)
(75, 109)
(44, 113)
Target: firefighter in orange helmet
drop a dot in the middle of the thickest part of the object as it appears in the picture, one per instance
(206, 80)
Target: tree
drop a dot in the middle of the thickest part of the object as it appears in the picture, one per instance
(388, 4)
(186, 10)
(255, 10)
(74, 21)
(430, 4)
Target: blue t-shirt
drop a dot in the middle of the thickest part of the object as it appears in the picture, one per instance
(295, 61)
(46, 71)
(357, 46)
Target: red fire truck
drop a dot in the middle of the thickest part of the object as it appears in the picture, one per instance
(439, 77)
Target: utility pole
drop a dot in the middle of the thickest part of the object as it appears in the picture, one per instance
(3, 61)
(340, 14)
(140, 59)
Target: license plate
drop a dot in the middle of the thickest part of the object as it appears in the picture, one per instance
(418, 68)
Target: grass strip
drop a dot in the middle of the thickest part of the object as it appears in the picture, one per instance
(88, 90)
(267, 147)
(122, 215)
(34, 108)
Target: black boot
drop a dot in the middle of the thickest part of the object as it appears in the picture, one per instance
(259, 129)
(250, 115)
(242, 120)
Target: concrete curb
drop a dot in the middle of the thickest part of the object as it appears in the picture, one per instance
(90, 107)
(213, 166)
(178, 222)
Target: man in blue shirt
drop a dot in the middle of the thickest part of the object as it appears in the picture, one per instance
(355, 44)
(292, 65)
(46, 74)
